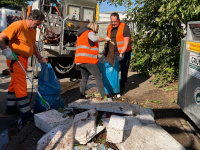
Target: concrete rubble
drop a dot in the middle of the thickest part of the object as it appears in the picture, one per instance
(135, 129)
(114, 107)
(85, 126)
(59, 138)
(130, 124)
(48, 120)
(151, 137)
(115, 130)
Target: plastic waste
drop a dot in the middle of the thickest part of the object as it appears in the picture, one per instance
(49, 88)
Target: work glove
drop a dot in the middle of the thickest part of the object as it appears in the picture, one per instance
(42, 60)
(108, 39)
(8, 53)
(120, 58)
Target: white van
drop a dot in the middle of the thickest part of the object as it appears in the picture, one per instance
(8, 16)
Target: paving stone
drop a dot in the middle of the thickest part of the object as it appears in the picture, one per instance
(85, 126)
(114, 107)
(115, 130)
(47, 120)
(151, 137)
(59, 138)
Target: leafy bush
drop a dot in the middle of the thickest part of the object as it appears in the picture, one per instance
(158, 35)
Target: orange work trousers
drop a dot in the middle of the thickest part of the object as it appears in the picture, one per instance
(18, 82)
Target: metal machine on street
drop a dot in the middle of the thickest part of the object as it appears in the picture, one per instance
(56, 38)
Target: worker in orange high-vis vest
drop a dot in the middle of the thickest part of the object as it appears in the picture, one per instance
(86, 57)
(22, 37)
(120, 34)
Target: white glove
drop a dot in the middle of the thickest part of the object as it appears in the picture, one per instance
(42, 60)
(107, 39)
(8, 53)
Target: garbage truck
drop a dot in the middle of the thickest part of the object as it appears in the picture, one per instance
(57, 35)
(9, 15)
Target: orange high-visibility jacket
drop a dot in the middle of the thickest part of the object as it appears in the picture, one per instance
(119, 37)
(84, 52)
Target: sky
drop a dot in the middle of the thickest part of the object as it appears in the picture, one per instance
(104, 7)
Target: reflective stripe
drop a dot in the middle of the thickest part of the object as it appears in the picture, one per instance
(22, 102)
(84, 54)
(122, 46)
(120, 42)
(86, 47)
(11, 99)
(11, 96)
(11, 103)
(25, 109)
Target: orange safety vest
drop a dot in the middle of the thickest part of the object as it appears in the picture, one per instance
(84, 52)
(119, 37)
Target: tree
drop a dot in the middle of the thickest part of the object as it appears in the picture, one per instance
(22, 3)
(126, 3)
(158, 36)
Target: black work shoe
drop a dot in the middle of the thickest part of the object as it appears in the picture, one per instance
(27, 120)
(122, 90)
(27, 117)
(82, 96)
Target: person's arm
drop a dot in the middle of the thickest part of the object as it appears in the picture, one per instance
(7, 52)
(2, 41)
(126, 35)
(38, 56)
(95, 38)
(126, 41)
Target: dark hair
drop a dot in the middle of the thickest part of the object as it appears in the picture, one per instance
(36, 15)
(115, 15)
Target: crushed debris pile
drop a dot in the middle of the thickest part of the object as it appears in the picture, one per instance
(101, 125)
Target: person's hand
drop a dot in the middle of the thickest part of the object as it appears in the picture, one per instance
(108, 39)
(8, 53)
(42, 60)
(121, 57)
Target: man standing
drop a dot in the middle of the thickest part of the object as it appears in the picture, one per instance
(120, 34)
(22, 37)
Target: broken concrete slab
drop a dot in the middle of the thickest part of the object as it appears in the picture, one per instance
(146, 119)
(120, 146)
(151, 137)
(146, 116)
(98, 130)
(143, 111)
(85, 126)
(47, 120)
(105, 122)
(114, 107)
(131, 122)
(59, 138)
(115, 130)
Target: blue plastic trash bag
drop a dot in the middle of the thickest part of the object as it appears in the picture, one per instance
(49, 88)
(110, 75)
